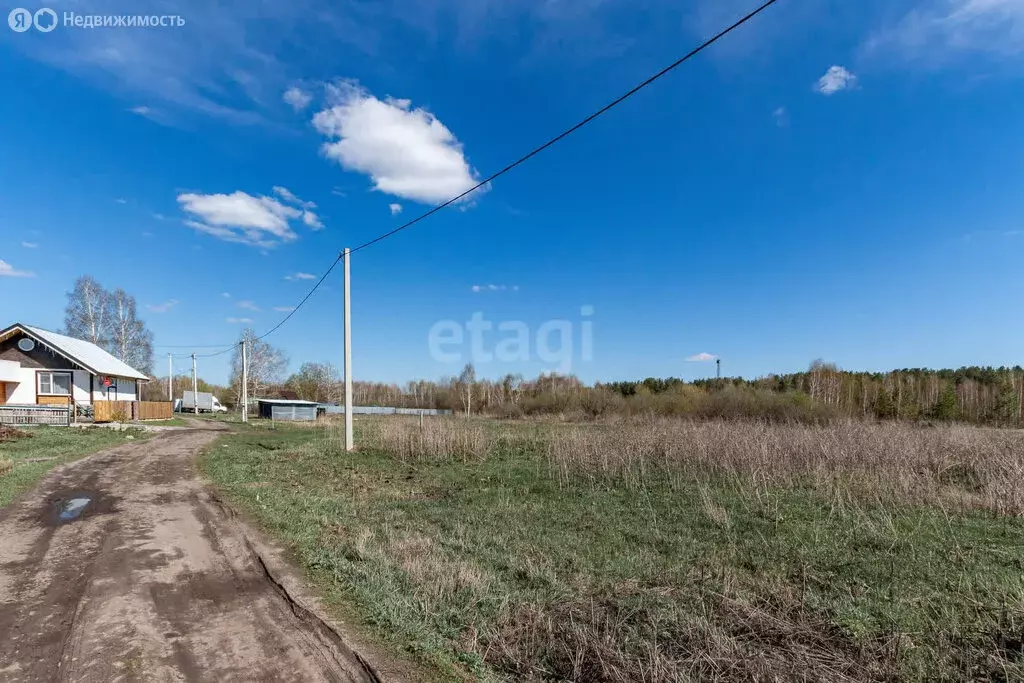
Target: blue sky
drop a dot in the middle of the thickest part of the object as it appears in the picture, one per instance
(830, 181)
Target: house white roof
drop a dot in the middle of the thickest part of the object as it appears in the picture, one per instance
(86, 354)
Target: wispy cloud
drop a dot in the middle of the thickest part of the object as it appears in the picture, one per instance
(300, 276)
(141, 110)
(406, 151)
(238, 321)
(702, 358)
(936, 31)
(164, 307)
(297, 98)
(495, 288)
(288, 196)
(30, 245)
(121, 201)
(284, 309)
(837, 78)
(226, 295)
(243, 218)
(395, 209)
(781, 117)
(248, 305)
(7, 270)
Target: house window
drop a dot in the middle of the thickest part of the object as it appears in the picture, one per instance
(55, 383)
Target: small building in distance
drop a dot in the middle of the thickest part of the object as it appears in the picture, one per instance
(294, 410)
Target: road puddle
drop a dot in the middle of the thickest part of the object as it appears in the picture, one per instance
(69, 509)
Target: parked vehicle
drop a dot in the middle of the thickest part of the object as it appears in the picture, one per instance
(206, 402)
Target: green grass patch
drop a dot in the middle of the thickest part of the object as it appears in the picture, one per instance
(499, 569)
(24, 461)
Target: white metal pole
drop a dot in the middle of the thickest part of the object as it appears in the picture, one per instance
(195, 388)
(349, 445)
(170, 377)
(245, 384)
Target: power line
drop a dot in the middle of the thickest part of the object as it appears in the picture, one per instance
(532, 153)
(569, 131)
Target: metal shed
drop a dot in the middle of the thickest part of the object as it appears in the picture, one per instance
(287, 409)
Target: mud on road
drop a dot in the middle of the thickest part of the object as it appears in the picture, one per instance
(122, 566)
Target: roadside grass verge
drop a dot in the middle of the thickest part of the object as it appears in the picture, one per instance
(660, 551)
(170, 422)
(25, 459)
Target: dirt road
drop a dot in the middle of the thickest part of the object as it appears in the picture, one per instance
(122, 566)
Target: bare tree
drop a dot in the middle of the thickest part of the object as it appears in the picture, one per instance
(128, 337)
(266, 365)
(85, 315)
(467, 378)
(315, 382)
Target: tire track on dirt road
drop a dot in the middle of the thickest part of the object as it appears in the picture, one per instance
(122, 566)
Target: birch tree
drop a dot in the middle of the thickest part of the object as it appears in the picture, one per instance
(266, 365)
(128, 337)
(85, 315)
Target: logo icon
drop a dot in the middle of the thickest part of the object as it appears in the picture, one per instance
(45, 20)
(20, 19)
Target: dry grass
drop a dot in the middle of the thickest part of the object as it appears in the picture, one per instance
(663, 550)
(955, 466)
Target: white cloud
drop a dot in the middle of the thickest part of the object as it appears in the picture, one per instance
(835, 79)
(238, 321)
(395, 209)
(248, 305)
(30, 245)
(781, 117)
(407, 152)
(226, 295)
(141, 110)
(312, 220)
(702, 358)
(164, 307)
(121, 201)
(159, 216)
(300, 276)
(495, 288)
(297, 98)
(284, 309)
(7, 270)
(288, 196)
(242, 218)
(937, 30)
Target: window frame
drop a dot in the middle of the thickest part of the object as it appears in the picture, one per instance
(51, 374)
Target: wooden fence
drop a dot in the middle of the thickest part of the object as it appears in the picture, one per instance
(156, 410)
(124, 411)
(35, 415)
(113, 411)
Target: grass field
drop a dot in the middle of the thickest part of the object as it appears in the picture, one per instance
(659, 551)
(24, 460)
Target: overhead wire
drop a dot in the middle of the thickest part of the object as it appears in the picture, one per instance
(532, 153)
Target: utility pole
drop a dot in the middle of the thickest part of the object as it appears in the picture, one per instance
(195, 388)
(170, 377)
(718, 368)
(245, 384)
(349, 445)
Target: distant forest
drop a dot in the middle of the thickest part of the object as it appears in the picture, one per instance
(971, 394)
(980, 395)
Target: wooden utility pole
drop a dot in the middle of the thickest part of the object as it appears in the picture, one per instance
(170, 377)
(349, 444)
(195, 388)
(245, 384)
